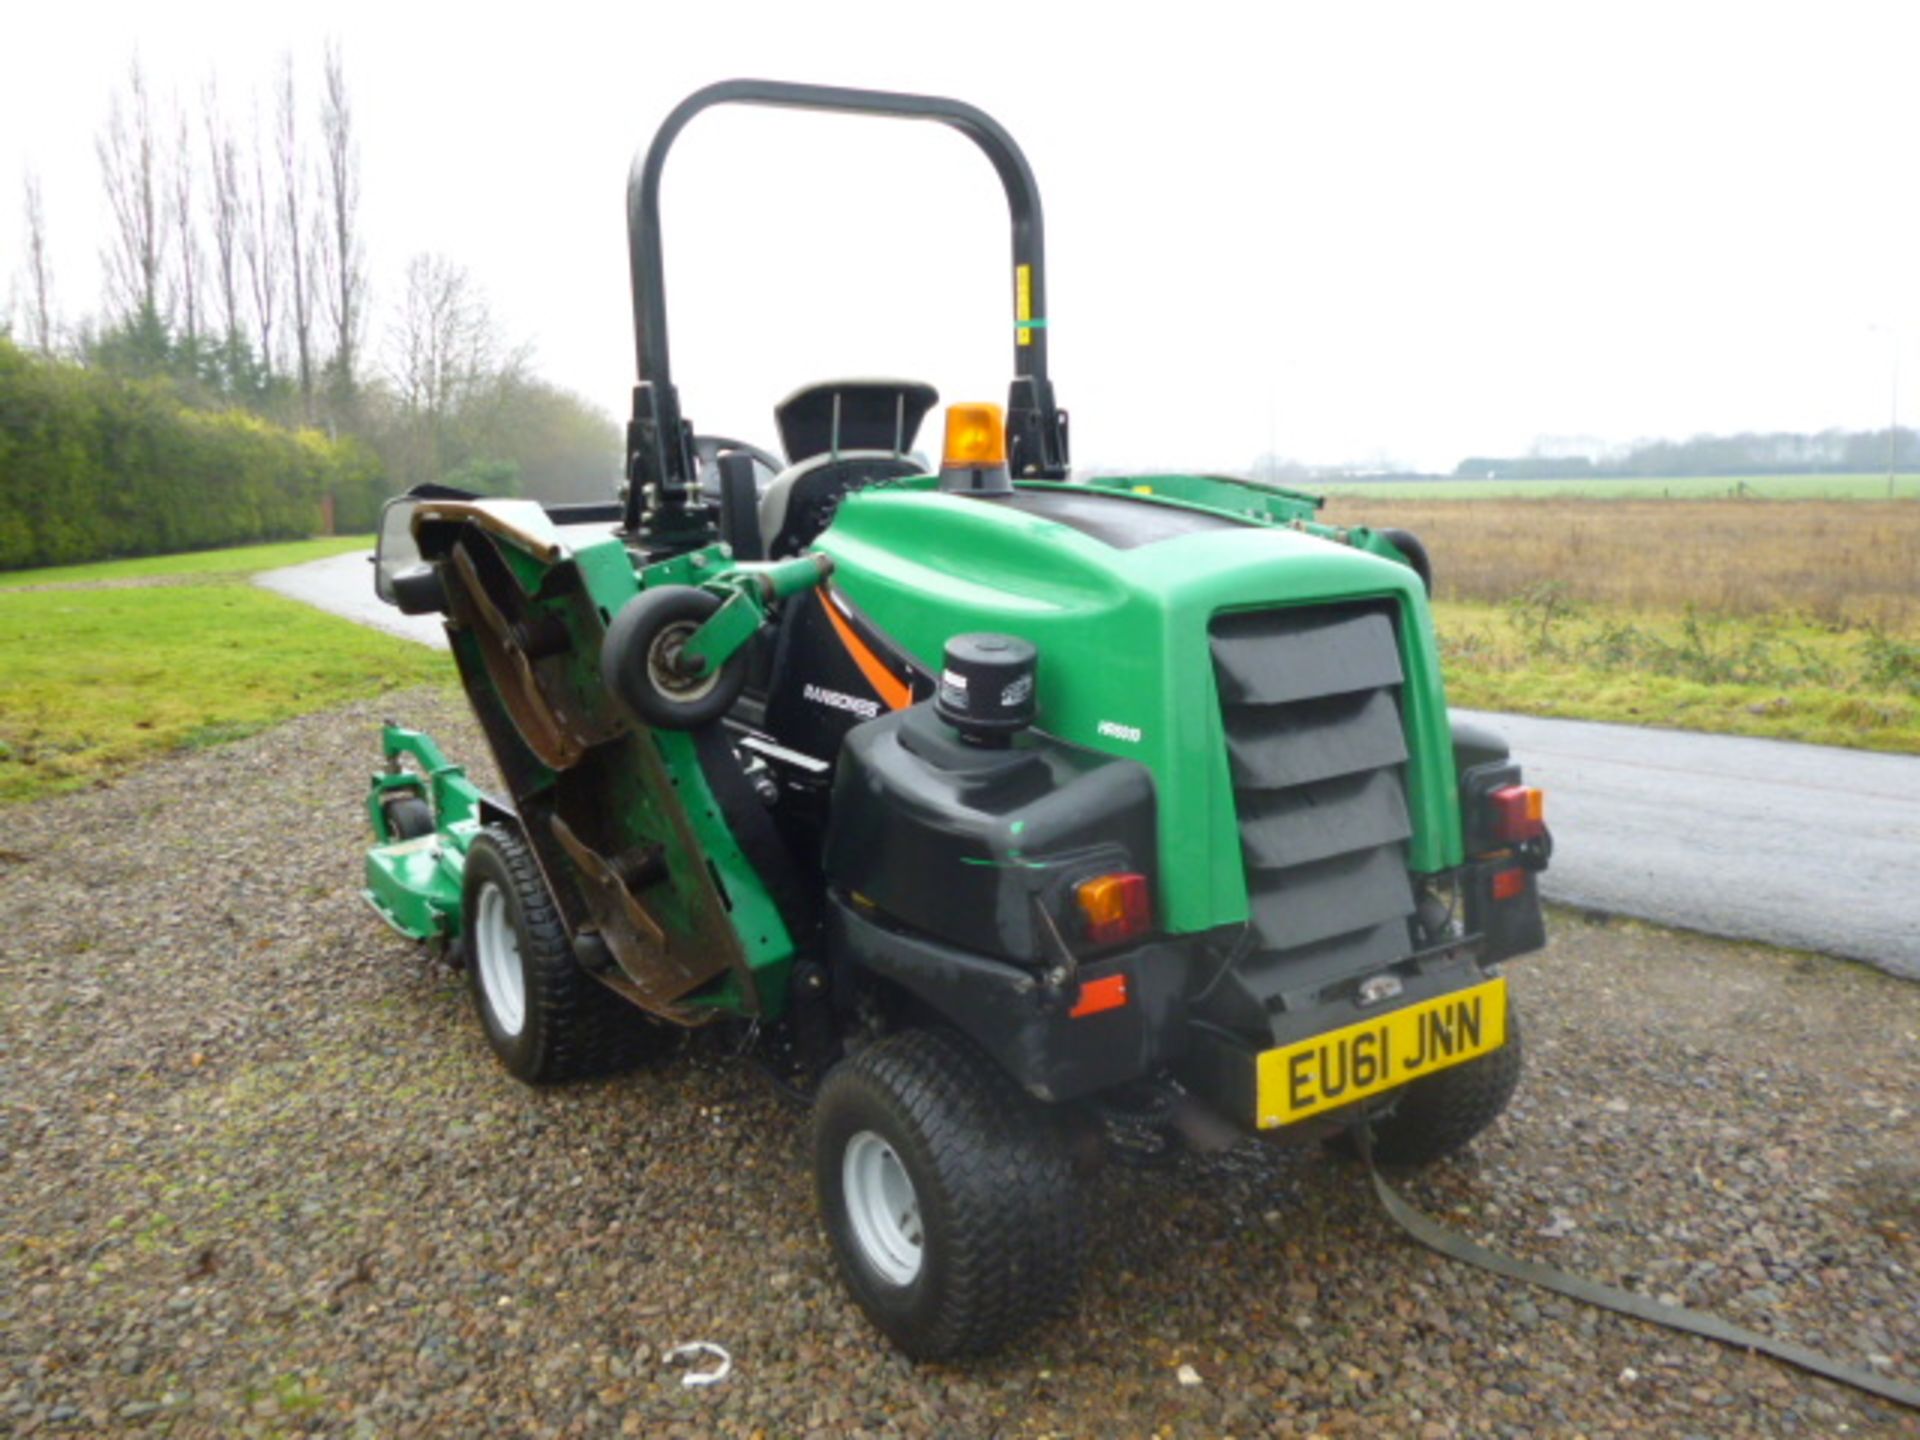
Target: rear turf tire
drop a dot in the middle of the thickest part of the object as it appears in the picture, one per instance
(948, 1196)
(1442, 1114)
(546, 1018)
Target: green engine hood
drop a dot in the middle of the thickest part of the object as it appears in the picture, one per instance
(1122, 630)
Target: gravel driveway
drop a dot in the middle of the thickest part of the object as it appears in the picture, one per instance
(259, 1175)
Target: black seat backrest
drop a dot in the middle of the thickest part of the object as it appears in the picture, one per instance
(840, 415)
(802, 499)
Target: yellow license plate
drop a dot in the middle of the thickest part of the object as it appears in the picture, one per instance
(1356, 1061)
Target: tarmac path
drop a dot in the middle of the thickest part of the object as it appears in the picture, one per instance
(343, 584)
(1799, 845)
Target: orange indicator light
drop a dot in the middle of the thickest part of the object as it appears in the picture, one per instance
(1519, 813)
(1116, 907)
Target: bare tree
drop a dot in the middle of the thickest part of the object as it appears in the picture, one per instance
(136, 257)
(343, 262)
(186, 230)
(442, 352)
(39, 271)
(225, 203)
(442, 343)
(261, 245)
(299, 252)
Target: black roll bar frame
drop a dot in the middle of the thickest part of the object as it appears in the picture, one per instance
(662, 502)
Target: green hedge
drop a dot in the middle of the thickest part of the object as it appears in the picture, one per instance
(94, 467)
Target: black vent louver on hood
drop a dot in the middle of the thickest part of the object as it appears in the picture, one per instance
(1310, 702)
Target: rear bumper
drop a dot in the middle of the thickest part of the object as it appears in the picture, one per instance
(1225, 1069)
(1029, 1028)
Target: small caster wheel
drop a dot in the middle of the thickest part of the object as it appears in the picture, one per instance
(642, 664)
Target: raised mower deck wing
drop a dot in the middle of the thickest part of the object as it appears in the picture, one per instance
(633, 831)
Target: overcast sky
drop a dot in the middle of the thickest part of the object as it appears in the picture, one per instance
(1350, 232)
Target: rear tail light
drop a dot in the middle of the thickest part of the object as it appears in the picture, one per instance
(1114, 907)
(1517, 814)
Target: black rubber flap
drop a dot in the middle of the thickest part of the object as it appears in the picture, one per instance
(1333, 817)
(1315, 740)
(1329, 897)
(1275, 657)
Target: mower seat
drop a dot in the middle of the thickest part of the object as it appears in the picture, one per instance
(800, 502)
(839, 435)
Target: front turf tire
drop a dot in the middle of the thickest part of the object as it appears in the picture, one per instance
(1440, 1116)
(546, 1018)
(948, 1196)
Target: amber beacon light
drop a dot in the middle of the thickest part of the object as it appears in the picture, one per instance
(974, 458)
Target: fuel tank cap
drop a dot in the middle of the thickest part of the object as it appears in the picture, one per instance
(986, 687)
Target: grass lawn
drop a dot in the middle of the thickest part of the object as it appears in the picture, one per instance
(184, 653)
(239, 560)
(1782, 679)
(101, 679)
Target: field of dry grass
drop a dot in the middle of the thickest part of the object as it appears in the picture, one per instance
(1836, 563)
(1796, 620)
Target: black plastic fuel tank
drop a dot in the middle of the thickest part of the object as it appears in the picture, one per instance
(968, 843)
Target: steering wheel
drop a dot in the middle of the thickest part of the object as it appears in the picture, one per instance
(706, 453)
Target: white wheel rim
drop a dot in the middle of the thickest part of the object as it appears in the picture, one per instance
(883, 1208)
(501, 979)
(663, 665)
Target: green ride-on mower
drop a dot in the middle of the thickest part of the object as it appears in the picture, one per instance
(1017, 812)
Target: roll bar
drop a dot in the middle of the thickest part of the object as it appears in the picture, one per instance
(662, 501)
